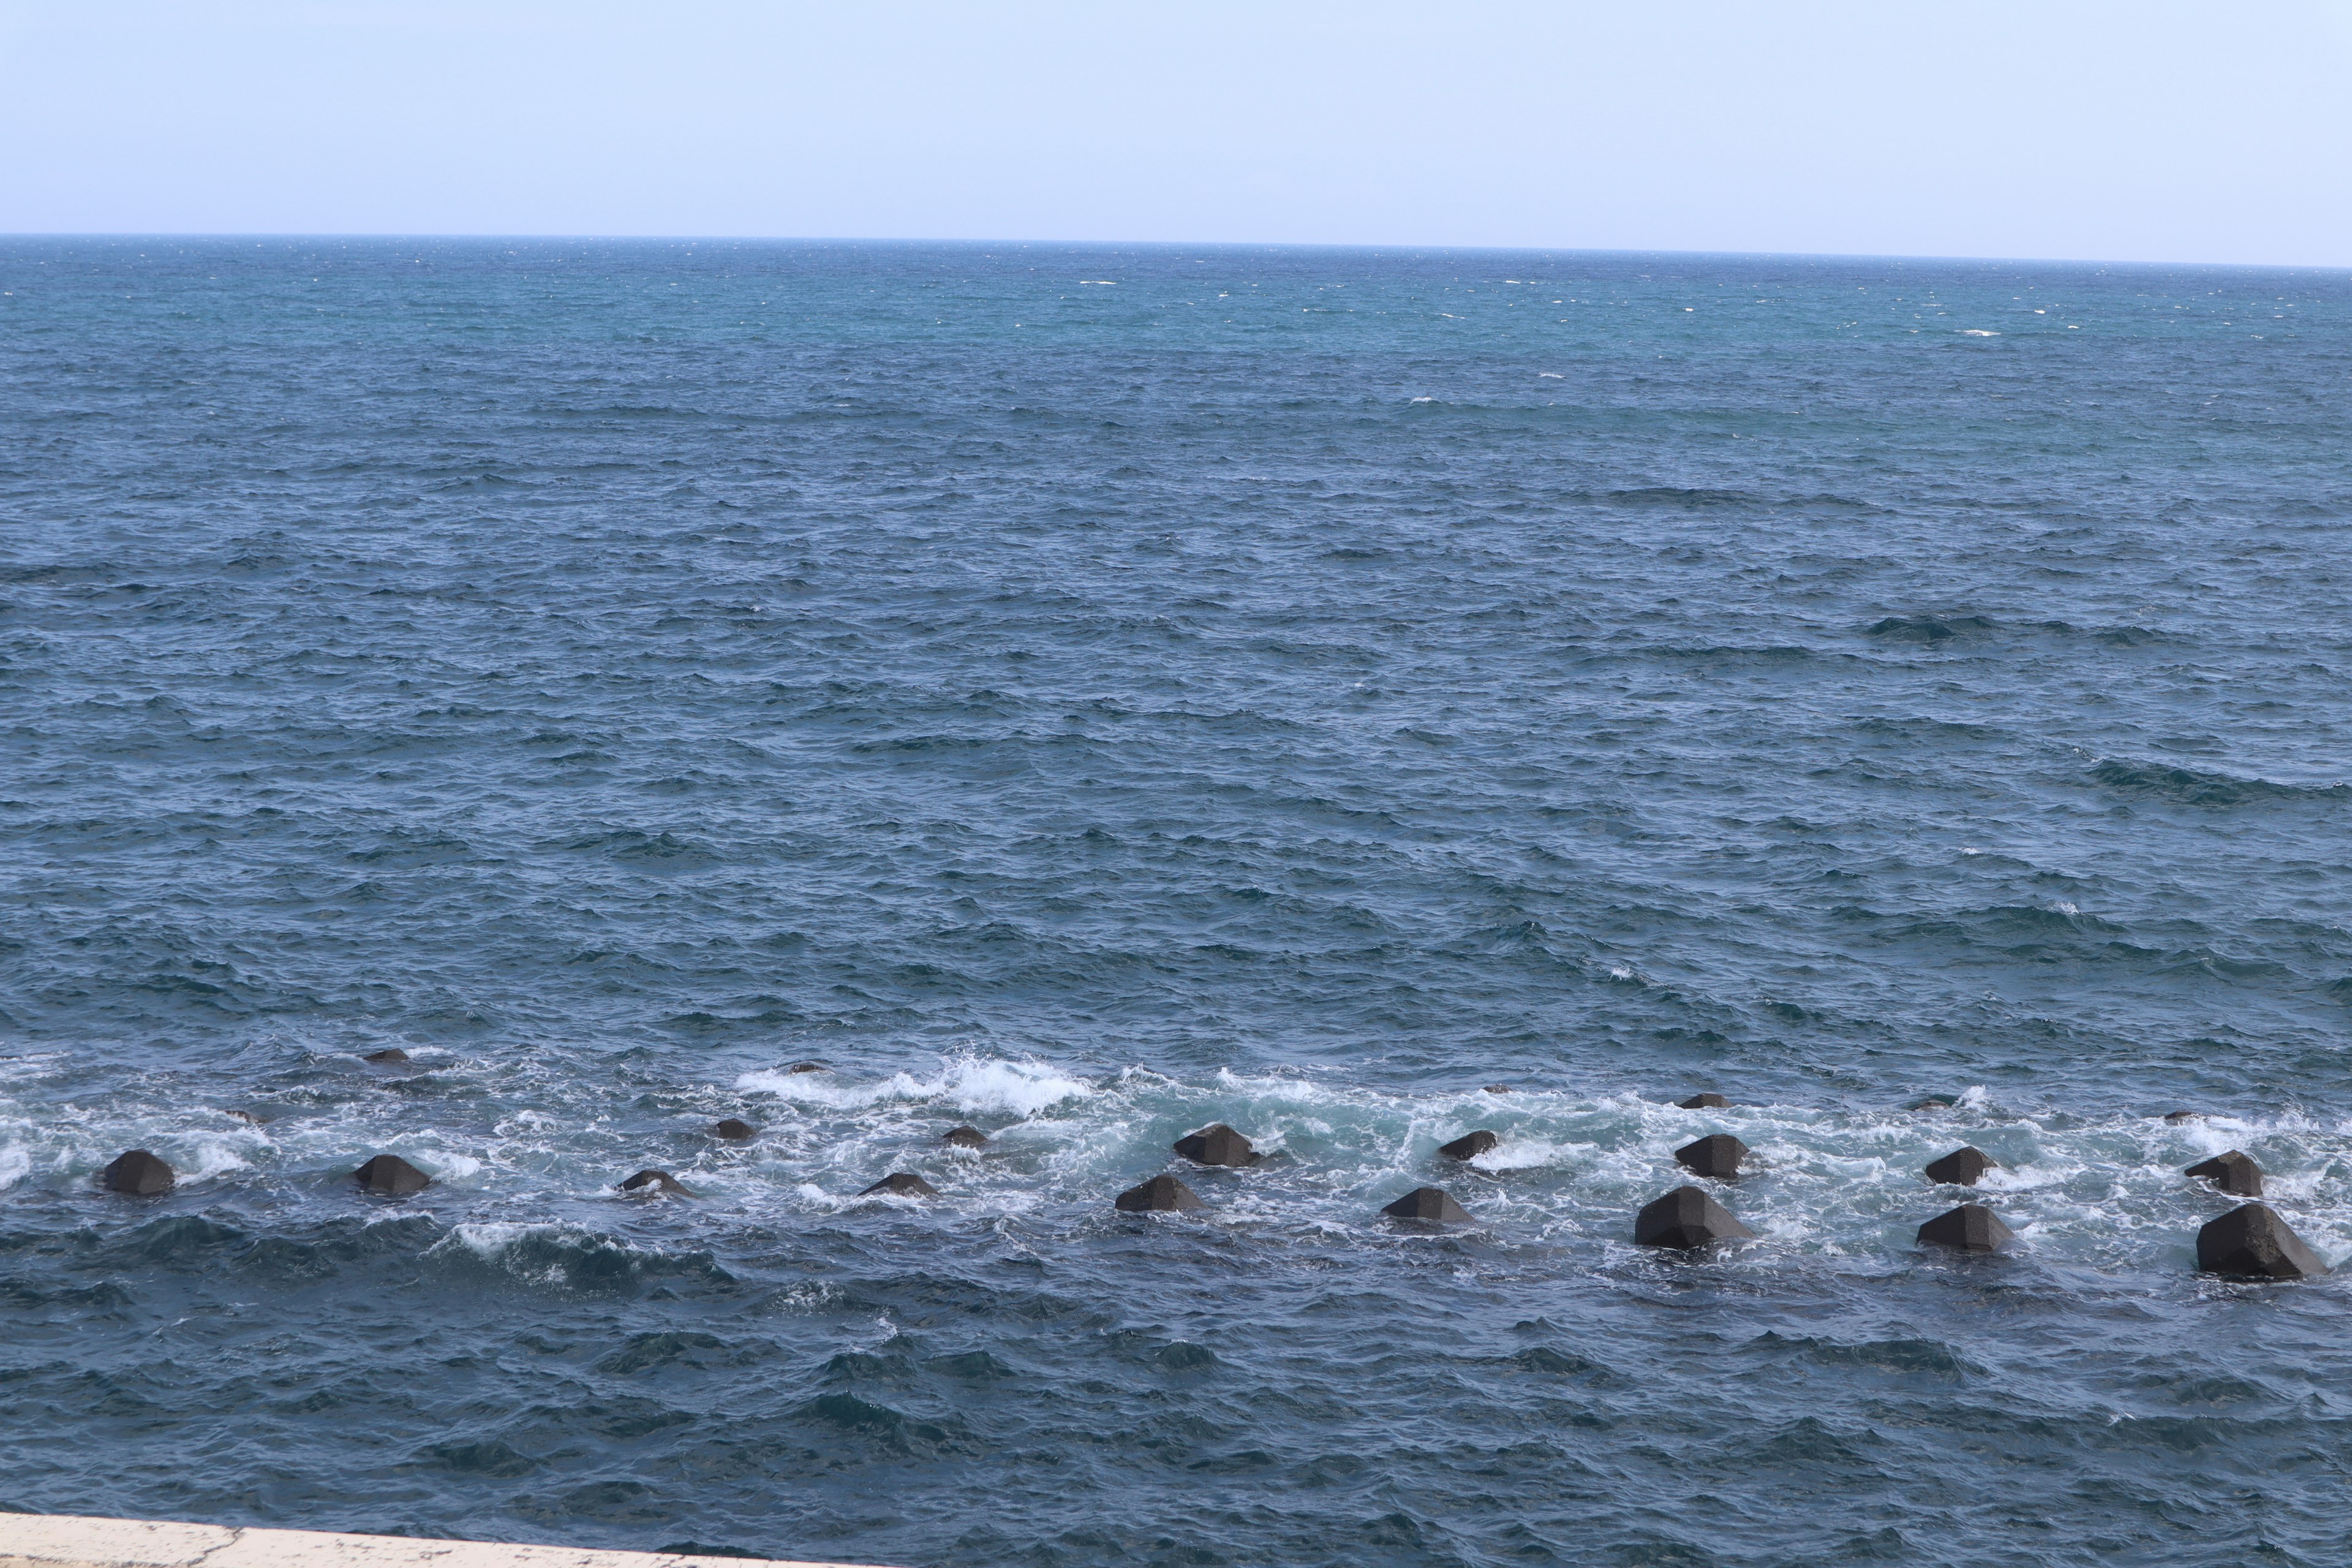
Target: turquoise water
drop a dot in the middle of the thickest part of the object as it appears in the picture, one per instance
(1090, 693)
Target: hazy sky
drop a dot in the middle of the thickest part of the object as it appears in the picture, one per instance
(2119, 129)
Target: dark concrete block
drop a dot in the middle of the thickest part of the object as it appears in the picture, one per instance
(387, 1055)
(1709, 1102)
(2233, 1173)
(655, 1185)
(1159, 1194)
(140, 1173)
(389, 1175)
(1961, 1167)
(1469, 1146)
(966, 1138)
(900, 1185)
(733, 1130)
(1431, 1203)
(1717, 1155)
(1972, 1228)
(1686, 1218)
(1216, 1144)
(2253, 1241)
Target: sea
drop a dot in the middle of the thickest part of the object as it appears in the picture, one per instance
(1359, 696)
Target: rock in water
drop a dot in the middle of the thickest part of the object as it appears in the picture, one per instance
(734, 1131)
(2233, 1173)
(1718, 1155)
(900, 1185)
(388, 1055)
(966, 1138)
(1961, 1167)
(1686, 1218)
(1432, 1203)
(808, 1066)
(2184, 1116)
(1933, 1102)
(1498, 1088)
(1159, 1194)
(655, 1185)
(391, 1176)
(2253, 1241)
(139, 1173)
(1216, 1144)
(1470, 1145)
(1972, 1228)
(1709, 1101)
(249, 1118)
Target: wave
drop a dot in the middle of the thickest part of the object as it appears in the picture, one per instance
(2189, 786)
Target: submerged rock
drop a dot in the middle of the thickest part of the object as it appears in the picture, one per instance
(1707, 1101)
(1718, 1155)
(2184, 1116)
(965, 1138)
(2234, 1172)
(902, 1184)
(1961, 1167)
(808, 1066)
(1933, 1102)
(1686, 1218)
(249, 1118)
(1216, 1144)
(1498, 1088)
(391, 1176)
(1972, 1228)
(734, 1131)
(2253, 1241)
(140, 1173)
(1432, 1203)
(387, 1055)
(1470, 1145)
(655, 1185)
(1159, 1194)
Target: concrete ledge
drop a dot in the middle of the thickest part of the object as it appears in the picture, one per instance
(57, 1540)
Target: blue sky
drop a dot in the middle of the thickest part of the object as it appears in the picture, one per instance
(2146, 132)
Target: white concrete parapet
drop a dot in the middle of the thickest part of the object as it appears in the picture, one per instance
(57, 1541)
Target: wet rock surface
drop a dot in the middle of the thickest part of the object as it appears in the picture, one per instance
(2234, 1172)
(1217, 1144)
(1159, 1194)
(1431, 1205)
(1962, 1168)
(1972, 1228)
(2253, 1241)
(1716, 1156)
(1687, 1219)
(389, 1175)
(1470, 1145)
(902, 1184)
(139, 1173)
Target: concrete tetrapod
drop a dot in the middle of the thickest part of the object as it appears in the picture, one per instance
(387, 1055)
(655, 1185)
(1470, 1145)
(733, 1130)
(1961, 1167)
(2234, 1172)
(1216, 1144)
(2253, 1241)
(1707, 1101)
(1717, 1154)
(1685, 1219)
(391, 1176)
(140, 1173)
(965, 1138)
(1160, 1194)
(1972, 1228)
(1432, 1203)
(902, 1184)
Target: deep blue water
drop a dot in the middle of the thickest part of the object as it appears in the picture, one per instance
(1094, 692)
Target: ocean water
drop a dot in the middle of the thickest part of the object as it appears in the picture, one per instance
(1090, 693)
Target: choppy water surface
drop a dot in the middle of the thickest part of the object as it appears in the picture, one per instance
(1091, 693)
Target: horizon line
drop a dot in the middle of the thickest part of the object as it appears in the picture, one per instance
(491, 236)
